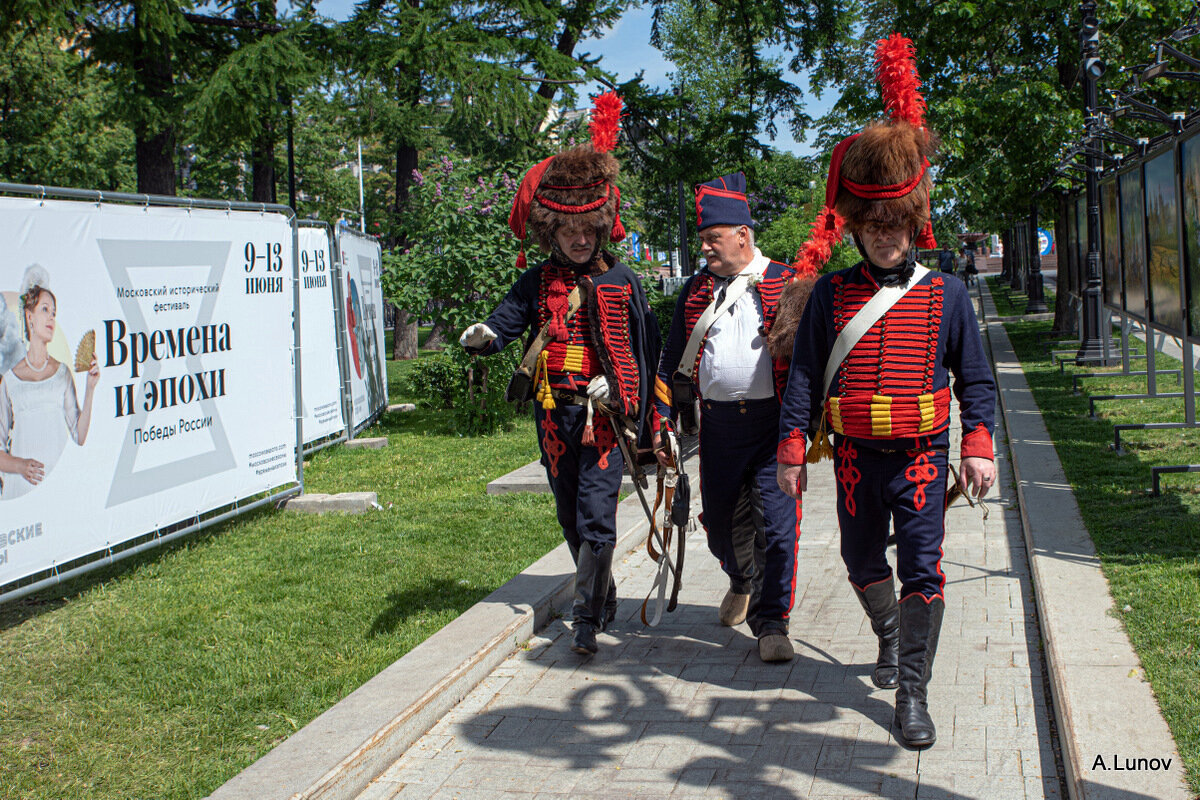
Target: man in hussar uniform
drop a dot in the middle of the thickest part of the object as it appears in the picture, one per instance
(594, 360)
(871, 363)
(716, 353)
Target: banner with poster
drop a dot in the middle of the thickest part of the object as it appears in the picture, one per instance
(320, 372)
(360, 260)
(146, 372)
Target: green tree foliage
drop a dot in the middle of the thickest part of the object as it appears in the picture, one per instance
(53, 126)
(460, 259)
(419, 72)
(458, 262)
(256, 65)
(999, 77)
(728, 95)
(324, 150)
(139, 44)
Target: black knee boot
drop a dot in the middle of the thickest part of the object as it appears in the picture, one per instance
(920, 624)
(610, 602)
(879, 601)
(593, 574)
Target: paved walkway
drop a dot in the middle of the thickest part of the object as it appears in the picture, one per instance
(495, 705)
(688, 710)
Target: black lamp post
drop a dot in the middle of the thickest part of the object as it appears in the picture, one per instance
(683, 140)
(1091, 347)
(685, 262)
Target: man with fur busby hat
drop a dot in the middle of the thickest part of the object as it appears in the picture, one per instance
(716, 374)
(871, 364)
(590, 358)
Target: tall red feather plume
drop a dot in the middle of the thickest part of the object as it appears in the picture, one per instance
(813, 254)
(896, 71)
(606, 121)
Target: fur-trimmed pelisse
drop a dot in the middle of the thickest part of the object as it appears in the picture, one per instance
(887, 153)
(788, 311)
(580, 166)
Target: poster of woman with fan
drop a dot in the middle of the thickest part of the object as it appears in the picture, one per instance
(39, 406)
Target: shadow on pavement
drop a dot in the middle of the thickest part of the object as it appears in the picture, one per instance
(690, 701)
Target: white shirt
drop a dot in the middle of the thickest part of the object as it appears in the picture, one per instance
(735, 364)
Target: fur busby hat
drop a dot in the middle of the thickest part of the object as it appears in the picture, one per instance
(576, 186)
(880, 174)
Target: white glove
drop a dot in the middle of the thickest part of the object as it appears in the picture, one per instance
(477, 336)
(597, 389)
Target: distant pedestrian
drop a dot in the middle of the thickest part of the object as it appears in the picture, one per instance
(946, 260)
(969, 268)
(871, 363)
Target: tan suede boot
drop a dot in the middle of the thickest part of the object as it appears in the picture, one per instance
(733, 608)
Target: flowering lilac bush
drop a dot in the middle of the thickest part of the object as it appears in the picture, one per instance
(457, 262)
(767, 204)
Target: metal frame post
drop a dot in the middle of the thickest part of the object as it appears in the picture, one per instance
(179, 528)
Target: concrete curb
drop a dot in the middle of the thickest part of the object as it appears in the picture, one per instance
(1103, 705)
(532, 478)
(339, 753)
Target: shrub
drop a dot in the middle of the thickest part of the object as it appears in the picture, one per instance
(434, 380)
(479, 405)
(663, 306)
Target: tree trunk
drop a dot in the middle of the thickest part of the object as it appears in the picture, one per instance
(437, 338)
(1066, 318)
(573, 24)
(154, 149)
(262, 166)
(404, 337)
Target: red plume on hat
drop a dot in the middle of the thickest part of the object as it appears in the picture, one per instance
(577, 185)
(871, 193)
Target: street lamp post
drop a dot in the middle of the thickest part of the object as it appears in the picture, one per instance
(685, 263)
(683, 140)
(1092, 347)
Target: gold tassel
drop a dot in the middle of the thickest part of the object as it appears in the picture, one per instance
(821, 447)
(544, 394)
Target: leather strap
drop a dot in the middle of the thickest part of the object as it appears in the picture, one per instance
(868, 315)
(529, 362)
(658, 543)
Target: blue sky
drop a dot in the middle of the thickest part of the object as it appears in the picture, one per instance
(624, 50)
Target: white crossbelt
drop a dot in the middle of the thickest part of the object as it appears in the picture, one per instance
(736, 288)
(868, 315)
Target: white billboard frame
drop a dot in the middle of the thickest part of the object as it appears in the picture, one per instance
(141, 541)
(356, 425)
(312, 445)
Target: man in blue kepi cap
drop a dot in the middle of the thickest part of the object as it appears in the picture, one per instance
(716, 374)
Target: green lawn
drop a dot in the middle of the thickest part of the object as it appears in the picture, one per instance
(167, 674)
(1010, 303)
(1149, 547)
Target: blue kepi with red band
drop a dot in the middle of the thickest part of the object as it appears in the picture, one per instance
(722, 201)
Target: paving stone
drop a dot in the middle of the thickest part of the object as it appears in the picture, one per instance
(367, 443)
(345, 502)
